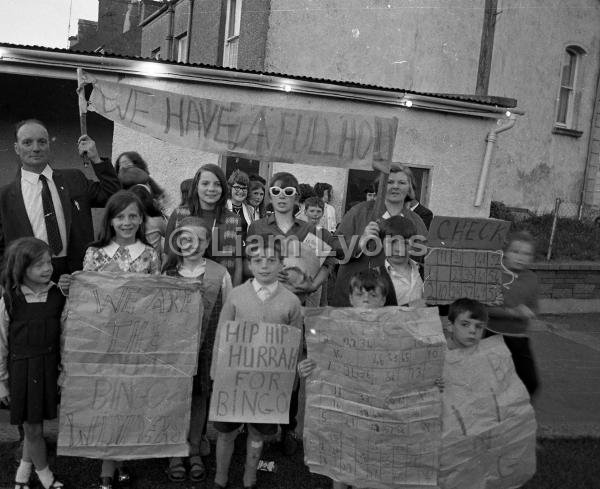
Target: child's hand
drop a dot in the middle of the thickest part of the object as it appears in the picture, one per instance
(418, 303)
(306, 367)
(440, 384)
(524, 312)
(5, 401)
(64, 282)
(371, 231)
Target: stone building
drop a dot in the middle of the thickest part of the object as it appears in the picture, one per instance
(542, 53)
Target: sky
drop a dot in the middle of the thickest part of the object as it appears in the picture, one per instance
(43, 22)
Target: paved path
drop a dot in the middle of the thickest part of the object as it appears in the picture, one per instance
(567, 351)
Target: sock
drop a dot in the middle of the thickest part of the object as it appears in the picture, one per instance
(23, 472)
(225, 446)
(46, 477)
(254, 446)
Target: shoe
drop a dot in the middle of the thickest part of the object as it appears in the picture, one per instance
(289, 443)
(21, 485)
(218, 486)
(106, 483)
(197, 470)
(253, 486)
(123, 477)
(56, 484)
(176, 470)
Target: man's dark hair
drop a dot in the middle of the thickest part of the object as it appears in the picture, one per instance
(476, 309)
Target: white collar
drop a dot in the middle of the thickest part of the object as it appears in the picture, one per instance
(414, 267)
(28, 291)
(33, 178)
(271, 288)
(193, 272)
(135, 249)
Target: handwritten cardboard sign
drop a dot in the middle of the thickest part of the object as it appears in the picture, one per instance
(465, 260)
(254, 372)
(130, 351)
(473, 233)
(259, 132)
(489, 431)
(373, 414)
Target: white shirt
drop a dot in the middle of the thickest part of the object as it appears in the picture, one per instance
(329, 221)
(407, 286)
(31, 188)
(266, 291)
(199, 271)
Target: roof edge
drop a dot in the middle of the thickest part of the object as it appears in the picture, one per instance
(67, 61)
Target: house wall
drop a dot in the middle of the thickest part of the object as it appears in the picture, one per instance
(534, 166)
(154, 35)
(434, 47)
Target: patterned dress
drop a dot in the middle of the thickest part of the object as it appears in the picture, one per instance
(135, 258)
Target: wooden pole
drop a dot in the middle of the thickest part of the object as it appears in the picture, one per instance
(487, 47)
(82, 110)
(379, 207)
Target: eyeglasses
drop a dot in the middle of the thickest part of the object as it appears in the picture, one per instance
(287, 191)
(239, 188)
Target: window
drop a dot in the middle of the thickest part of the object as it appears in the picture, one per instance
(232, 33)
(180, 48)
(569, 92)
(155, 53)
(233, 163)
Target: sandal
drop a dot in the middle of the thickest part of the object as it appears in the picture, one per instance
(197, 470)
(54, 484)
(176, 470)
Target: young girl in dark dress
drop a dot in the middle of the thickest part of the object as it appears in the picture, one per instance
(30, 311)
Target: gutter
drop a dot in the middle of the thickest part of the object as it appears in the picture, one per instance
(489, 151)
(64, 65)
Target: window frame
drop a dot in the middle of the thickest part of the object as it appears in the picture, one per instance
(180, 48)
(230, 39)
(155, 53)
(569, 92)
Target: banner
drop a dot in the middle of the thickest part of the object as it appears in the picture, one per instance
(254, 131)
(254, 371)
(130, 352)
(373, 413)
(488, 440)
(465, 260)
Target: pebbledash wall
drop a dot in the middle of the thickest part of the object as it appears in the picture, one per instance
(452, 144)
(435, 48)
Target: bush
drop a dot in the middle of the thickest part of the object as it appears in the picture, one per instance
(573, 239)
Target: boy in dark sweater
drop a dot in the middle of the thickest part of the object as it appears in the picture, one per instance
(512, 319)
(261, 299)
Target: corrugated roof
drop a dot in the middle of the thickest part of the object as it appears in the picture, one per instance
(490, 100)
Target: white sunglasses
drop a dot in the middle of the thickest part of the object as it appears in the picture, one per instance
(287, 191)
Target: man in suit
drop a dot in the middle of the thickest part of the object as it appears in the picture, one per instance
(50, 204)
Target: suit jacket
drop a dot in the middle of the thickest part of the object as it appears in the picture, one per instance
(424, 213)
(77, 194)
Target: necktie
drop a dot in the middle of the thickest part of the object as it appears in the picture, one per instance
(263, 294)
(54, 239)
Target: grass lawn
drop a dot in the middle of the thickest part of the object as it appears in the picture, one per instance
(562, 464)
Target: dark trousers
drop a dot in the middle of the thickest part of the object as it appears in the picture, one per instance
(293, 410)
(524, 363)
(60, 267)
